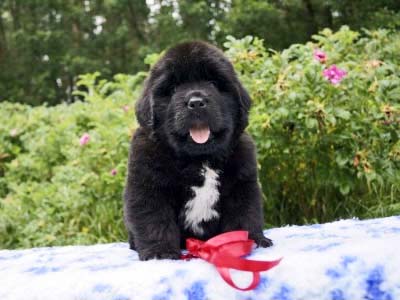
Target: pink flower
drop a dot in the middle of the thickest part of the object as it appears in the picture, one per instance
(334, 74)
(320, 55)
(84, 139)
(125, 108)
(113, 172)
(13, 132)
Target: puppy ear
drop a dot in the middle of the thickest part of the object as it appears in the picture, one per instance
(244, 105)
(144, 109)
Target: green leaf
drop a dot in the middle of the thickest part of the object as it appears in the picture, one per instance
(344, 189)
(282, 112)
(342, 113)
(341, 160)
(311, 123)
(331, 119)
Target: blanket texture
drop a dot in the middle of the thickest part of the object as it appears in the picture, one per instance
(348, 259)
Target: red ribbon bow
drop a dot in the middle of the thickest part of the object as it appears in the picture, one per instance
(225, 251)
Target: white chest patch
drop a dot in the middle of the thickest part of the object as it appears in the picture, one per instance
(201, 206)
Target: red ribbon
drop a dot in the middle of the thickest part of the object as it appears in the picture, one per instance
(225, 251)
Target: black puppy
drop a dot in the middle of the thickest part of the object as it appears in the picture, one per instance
(192, 169)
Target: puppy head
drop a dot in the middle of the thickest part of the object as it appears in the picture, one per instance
(194, 101)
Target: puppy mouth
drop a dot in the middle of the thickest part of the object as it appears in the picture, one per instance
(200, 133)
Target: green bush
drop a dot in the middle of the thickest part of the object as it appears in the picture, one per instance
(55, 191)
(325, 151)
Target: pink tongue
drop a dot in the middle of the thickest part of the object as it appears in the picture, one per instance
(200, 135)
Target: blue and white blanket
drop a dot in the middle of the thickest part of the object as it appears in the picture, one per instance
(347, 259)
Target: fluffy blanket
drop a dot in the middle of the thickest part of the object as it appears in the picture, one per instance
(348, 259)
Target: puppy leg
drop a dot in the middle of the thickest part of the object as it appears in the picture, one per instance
(131, 241)
(242, 210)
(151, 222)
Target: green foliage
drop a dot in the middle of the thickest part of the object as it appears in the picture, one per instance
(325, 151)
(282, 23)
(45, 45)
(54, 191)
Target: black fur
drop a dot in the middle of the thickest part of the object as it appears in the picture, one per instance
(164, 163)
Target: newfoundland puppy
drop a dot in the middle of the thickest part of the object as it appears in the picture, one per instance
(192, 169)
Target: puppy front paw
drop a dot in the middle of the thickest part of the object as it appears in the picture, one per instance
(159, 254)
(262, 241)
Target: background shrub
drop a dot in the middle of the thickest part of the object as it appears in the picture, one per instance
(55, 190)
(46, 44)
(325, 151)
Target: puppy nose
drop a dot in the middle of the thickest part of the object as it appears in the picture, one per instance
(196, 103)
